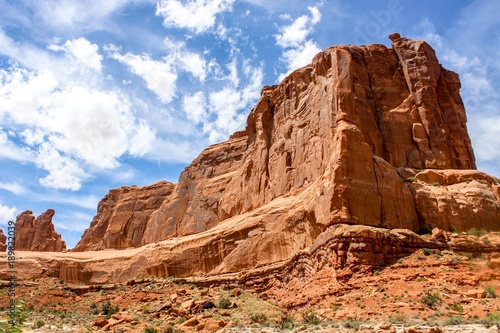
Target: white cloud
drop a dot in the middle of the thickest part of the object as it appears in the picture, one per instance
(13, 187)
(195, 107)
(10, 150)
(82, 52)
(228, 107)
(195, 15)
(7, 214)
(160, 76)
(298, 50)
(89, 15)
(64, 124)
(64, 172)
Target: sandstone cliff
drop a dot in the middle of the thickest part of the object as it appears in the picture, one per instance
(121, 216)
(37, 234)
(3, 241)
(341, 136)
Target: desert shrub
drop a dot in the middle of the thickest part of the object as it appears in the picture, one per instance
(397, 318)
(108, 310)
(492, 319)
(453, 229)
(455, 320)
(410, 179)
(224, 303)
(39, 324)
(457, 307)
(168, 330)
(431, 300)
(426, 251)
(424, 230)
(150, 329)
(351, 323)
(287, 324)
(476, 232)
(489, 292)
(311, 318)
(258, 317)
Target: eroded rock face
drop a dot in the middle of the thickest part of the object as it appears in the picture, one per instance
(122, 215)
(332, 143)
(3, 241)
(37, 234)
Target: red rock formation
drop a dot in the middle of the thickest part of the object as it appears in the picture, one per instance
(121, 216)
(3, 241)
(341, 134)
(37, 234)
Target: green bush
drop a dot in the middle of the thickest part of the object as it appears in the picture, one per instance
(224, 303)
(311, 318)
(457, 307)
(431, 300)
(150, 329)
(397, 318)
(455, 320)
(353, 324)
(39, 324)
(489, 292)
(258, 317)
(475, 232)
(108, 310)
(410, 179)
(426, 251)
(287, 324)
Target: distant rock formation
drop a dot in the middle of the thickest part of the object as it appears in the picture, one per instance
(121, 216)
(37, 234)
(3, 241)
(346, 134)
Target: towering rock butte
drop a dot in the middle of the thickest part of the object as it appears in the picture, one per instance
(342, 134)
(37, 234)
(338, 164)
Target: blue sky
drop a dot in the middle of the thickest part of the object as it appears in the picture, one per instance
(98, 94)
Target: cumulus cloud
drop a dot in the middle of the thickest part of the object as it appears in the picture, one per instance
(161, 75)
(66, 125)
(195, 15)
(82, 52)
(298, 50)
(223, 111)
(7, 214)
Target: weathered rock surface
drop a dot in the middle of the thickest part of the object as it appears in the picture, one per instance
(37, 234)
(342, 134)
(352, 145)
(121, 216)
(3, 241)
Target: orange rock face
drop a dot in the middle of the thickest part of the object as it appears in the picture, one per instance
(333, 142)
(37, 234)
(121, 217)
(3, 241)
